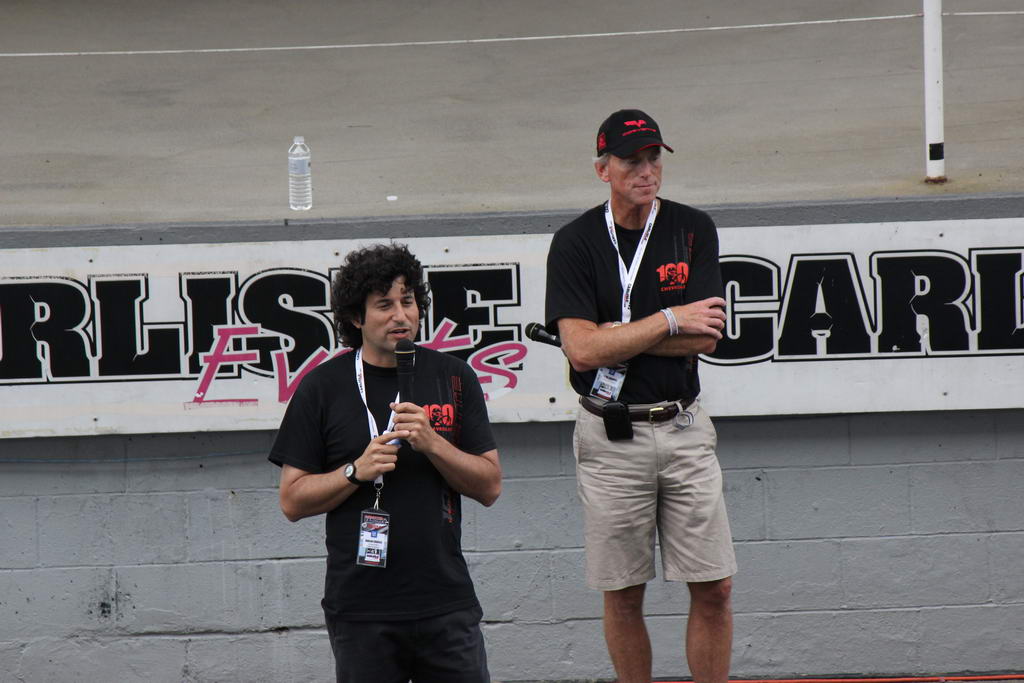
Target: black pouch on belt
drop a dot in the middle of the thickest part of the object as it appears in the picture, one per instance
(617, 424)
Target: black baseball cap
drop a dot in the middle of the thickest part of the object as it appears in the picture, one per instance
(628, 131)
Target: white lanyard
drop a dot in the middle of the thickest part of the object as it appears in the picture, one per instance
(628, 277)
(374, 432)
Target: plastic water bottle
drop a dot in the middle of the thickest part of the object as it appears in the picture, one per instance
(300, 181)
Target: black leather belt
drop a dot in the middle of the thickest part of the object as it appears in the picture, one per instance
(656, 413)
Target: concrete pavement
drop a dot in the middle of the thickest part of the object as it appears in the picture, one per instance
(394, 105)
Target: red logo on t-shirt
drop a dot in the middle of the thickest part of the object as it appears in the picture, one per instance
(442, 417)
(673, 275)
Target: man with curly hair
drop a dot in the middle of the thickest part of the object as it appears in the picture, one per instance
(399, 602)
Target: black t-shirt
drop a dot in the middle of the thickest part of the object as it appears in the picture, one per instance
(679, 266)
(325, 427)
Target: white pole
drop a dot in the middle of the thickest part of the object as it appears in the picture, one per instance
(933, 123)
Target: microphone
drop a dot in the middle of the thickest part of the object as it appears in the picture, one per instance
(405, 354)
(537, 333)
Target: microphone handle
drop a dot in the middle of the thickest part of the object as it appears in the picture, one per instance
(405, 385)
(537, 333)
(405, 377)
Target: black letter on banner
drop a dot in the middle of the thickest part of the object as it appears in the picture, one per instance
(126, 345)
(918, 295)
(752, 305)
(42, 323)
(208, 300)
(823, 304)
(295, 305)
(1000, 297)
(470, 297)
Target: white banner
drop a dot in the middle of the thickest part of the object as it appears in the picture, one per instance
(821, 319)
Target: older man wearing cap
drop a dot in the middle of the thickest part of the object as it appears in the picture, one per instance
(634, 290)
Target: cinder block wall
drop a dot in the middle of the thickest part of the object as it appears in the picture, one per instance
(867, 544)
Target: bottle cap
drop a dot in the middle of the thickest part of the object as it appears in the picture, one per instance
(299, 140)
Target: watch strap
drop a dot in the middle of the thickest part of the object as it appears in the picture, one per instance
(350, 474)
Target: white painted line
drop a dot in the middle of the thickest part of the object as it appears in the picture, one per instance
(467, 41)
(477, 41)
(981, 14)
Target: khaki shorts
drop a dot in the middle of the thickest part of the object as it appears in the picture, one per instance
(667, 477)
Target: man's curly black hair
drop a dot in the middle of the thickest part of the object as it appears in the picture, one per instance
(370, 270)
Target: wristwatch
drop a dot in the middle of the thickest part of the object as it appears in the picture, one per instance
(350, 474)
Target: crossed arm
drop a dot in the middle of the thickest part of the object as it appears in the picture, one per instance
(589, 346)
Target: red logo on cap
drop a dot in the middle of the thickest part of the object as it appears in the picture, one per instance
(601, 142)
(638, 123)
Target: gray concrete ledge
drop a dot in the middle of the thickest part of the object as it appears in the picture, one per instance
(506, 223)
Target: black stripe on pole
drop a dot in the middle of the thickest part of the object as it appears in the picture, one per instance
(936, 152)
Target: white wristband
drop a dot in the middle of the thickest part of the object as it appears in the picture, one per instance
(673, 326)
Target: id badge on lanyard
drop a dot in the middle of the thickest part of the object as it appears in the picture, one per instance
(374, 523)
(374, 526)
(609, 381)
